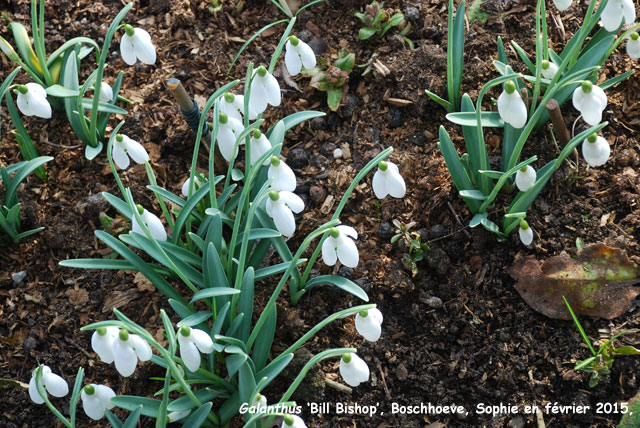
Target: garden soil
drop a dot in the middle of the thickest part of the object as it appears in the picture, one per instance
(456, 333)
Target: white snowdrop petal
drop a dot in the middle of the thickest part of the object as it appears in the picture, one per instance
(298, 422)
(597, 153)
(55, 384)
(368, 327)
(144, 49)
(106, 394)
(283, 219)
(106, 92)
(102, 345)
(125, 357)
(119, 156)
(39, 105)
(611, 15)
(525, 180)
(550, 72)
(202, 340)
(135, 150)
(348, 231)
(283, 177)
(272, 88)
(633, 48)
(33, 392)
(293, 201)
(348, 252)
(512, 109)
(23, 105)
(307, 56)
(628, 11)
(329, 255)
(190, 355)
(526, 235)
(395, 184)
(355, 372)
(258, 100)
(292, 61)
(92, 405)
(156, 228)
(141, 347)
(36, 88)
(127, 50)
(379, 185)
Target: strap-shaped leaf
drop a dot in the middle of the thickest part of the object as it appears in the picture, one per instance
(245, 303)
(263, 343)
(489, 119)
(150, 407)
(213, 292)
(340, 282)
(199, 416)
(97, 264)
(185, 403)
(187, 211)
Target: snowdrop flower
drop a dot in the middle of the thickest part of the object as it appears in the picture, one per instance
(590, 101)
(525, 178)
(633, 46)
(123, 148)
(292, 421)
(259, 146)
(562, 4)
(596, 150)
(264, 90)
(511, 107)
(50, 382)
(96, 399)
(259, 402)
(388, 181)
(153, 223)
(340, 245)
(32, 100)
(353, 369)
(298, 55)
(197, 183)
(280, 207)
(369, 324)
(106, 92)
(191, 341)
(525, 232)
(127, 349)
(136, 45)
(549, 69)
(283, 176)
(617, 12)
(233, 106)
(230, 129)
(102, 343)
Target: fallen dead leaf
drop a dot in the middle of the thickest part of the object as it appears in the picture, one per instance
(598, 282)
(77, 296)
(142, 283)
(118, 299)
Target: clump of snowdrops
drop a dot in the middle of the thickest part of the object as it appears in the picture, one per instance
(522, 110)
(55, 79)
(217, 346)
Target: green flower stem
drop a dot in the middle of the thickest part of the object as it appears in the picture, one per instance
(45, 397)
(501, 182)
(213, 198)
(37, 28)
(322, 324)
(541, 42)
(152, 180)
(272, 300)
(336, 215)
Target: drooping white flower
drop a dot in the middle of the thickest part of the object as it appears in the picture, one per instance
(617, 12)
(50, 382)
(590, 101)
(124, 147)
(595, 150)
(525, 178)
(259, 146)
(283, 176)
(127, 349)
(633, 46)
(32, 100)
(388, 181)
(280, 206)
(106, 92)
(369, 324)
(339, 245)
(136, 45)
(353, 369)
(264, 90)
(259, 402)
(96, 399)
(193, 341)
(562, 4)
(228, 132)
(292, 421)
(525, 232)
(102, 342)
(153, 223)
(549, 69)
(185, 186)
(298, 55)
(511, 107)
(233, 106)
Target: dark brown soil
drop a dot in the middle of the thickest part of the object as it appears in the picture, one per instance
(456, 333)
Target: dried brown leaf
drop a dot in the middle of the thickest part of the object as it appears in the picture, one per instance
(598, 282)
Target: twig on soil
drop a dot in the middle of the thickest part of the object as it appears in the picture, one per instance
(337, 386)
(455, 215)
(63, 146)
(80, 348)
(384, 381)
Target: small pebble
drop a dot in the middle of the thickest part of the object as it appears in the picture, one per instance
(29, 344)
(475, 262)
(18, 277)
(318, 123)
(434, 302)
(318, 46)
(516, 422)
(297, 158)
(396, 117)
(437, 231)
(411, 13)
(345, 271)
(337, 153)
(304, 36)
(317, 193)
(417, 139)
(333, 120)
(385, 230)
(401, 372)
